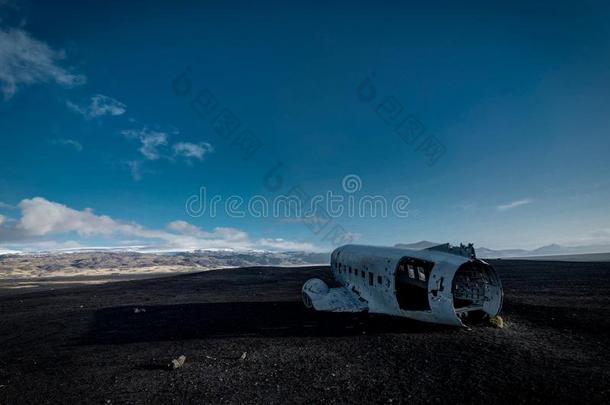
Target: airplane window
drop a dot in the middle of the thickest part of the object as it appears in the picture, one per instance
(371, 278)
(411, 271)
(421, 274)
(350, 270)
(378, 279)
(363, 273)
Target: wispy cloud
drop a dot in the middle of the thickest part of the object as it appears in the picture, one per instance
(68, 143)
(155, 145)
(466, 206)
(515, 204)
(225, 233)
(192, 150)
(25, 60)
(6, 206)
(99, 105)
(135, 167)
(150, 141)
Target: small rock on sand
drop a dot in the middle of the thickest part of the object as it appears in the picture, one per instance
(178, 363)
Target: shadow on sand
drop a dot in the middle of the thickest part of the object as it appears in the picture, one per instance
(236, 319)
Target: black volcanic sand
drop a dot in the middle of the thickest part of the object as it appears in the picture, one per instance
(87, 345)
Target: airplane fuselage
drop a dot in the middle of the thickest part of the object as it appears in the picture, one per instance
(427, 285)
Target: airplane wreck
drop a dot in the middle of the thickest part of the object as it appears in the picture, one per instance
(442, 284)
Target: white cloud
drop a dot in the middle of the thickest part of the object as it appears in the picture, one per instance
(135, 167)
(514, 204)
(184, 228)
(229, 234)
(282, 244)
(99, 106)
(150, 140)
(2, 219)
(25, 60)
(150, 143)
(154, 145)
(6, 206)
(68, 142)
(192, 150)
(42, 218)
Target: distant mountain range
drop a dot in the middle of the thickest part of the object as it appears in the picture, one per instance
(129, 259)
(104, 262)
(548, 250)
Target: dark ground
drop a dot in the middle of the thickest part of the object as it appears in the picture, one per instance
(86, 344)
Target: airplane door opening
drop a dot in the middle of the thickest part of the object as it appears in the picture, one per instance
(412, 284)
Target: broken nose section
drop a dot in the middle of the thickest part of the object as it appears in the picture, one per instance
(477, 292)
(312, 290)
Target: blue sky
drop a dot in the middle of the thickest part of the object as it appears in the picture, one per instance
(99, 150)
